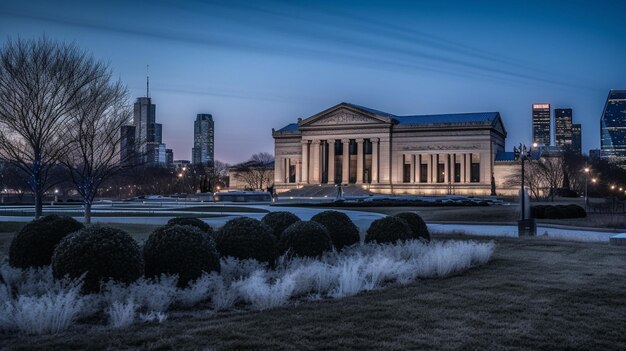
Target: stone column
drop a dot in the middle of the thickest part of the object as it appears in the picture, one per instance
(305, 161)
(462, 168)
(384, 161)
(279, 164)
(331, 161)
(446, 168)
(345, 164)
(468, 168)
(374, 160)
(452, 167)
(286, 174)
(412, 162)
(418, 168)
(315, 162)
(359, 161)
(429, 161)
(298, 175)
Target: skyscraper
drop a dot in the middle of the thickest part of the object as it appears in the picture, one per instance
(202, 151)
(148, 141)
(127, 146)
(541, 124)
(169, 157)
(144, 119)
(577, 138)
(563, 127)
(613, 128)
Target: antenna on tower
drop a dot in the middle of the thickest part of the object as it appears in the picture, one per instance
(147, 80)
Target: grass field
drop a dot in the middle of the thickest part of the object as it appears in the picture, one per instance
(499, 214)
(534, 294)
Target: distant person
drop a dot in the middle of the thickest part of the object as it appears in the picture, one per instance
(339, 193)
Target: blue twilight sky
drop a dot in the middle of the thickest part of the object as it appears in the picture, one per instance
(259, 64)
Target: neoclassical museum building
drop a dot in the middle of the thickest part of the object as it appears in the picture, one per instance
(385, 153)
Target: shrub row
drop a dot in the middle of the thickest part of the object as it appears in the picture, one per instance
(558, 211)
(401, 227)
(188, 246)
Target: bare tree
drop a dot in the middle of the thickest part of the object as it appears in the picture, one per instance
(551, 171)
(94, 132)
(206, 177)
(40, 82)
(257, 173)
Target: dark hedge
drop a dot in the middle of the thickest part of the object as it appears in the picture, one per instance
(105, 253)
(34, 244)
(247, 238)
(388, 229)
(341, 229)
(180, 249)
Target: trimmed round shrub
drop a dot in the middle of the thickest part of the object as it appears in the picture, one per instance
(388, 229)
(180, 249)
(341, 229)
(419, 230)
(104, 253)
(279, 221)
(34, 244)
(305, 239)
(247, 238)
(194, 222)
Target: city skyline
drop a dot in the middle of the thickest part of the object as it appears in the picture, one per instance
(261, 66)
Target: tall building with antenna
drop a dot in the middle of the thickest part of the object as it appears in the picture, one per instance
(148, 143)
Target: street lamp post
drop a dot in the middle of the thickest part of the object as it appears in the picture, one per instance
(586, 184)
(525, 226)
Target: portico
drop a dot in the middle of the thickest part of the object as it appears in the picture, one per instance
(350, 144)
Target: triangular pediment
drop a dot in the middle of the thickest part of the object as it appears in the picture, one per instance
(499, 125)
(344, 114)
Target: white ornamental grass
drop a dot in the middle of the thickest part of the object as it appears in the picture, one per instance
(50, 313)
(153, 316)
(197, 291)
(122, 314)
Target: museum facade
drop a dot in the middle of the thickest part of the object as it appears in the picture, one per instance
(389, 154)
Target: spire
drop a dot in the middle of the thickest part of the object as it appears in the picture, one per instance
(147, 80)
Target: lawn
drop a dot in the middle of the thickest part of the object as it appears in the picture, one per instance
(499, 214)
(534, 294)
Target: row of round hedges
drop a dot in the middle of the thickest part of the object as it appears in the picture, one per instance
(188, 250)
(558, 211)
(401, 227)
(339, 226)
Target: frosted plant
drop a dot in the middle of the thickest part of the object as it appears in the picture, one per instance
(153, 294)
(350, 280)
(121, 314)
(153, 316)
(264, 295)
(223, 297)
(197, 291)
(233, 269)
(11, 276)
(50, 313)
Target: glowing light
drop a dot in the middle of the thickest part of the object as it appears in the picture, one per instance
(535, 144)
(586, 169)
(180, 175)
(594, 180)
(612, 187)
